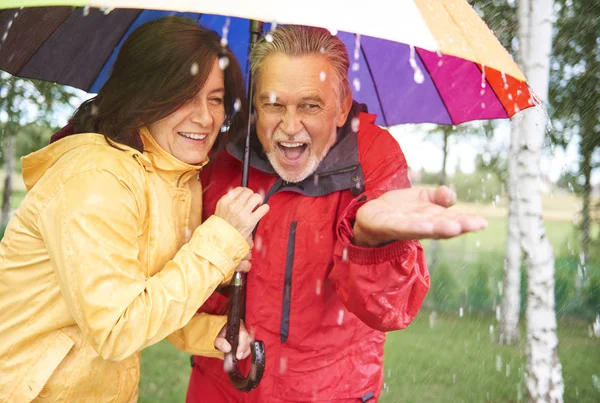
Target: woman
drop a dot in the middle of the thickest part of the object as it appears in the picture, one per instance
(106, 254)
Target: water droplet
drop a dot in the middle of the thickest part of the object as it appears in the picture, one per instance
(188, 234)
(333, 31)
(322, 76)
(356, 83)
(318, 287)
(237, 105)
(86, 10)
(345, 254)
(491, 329)
(453, 378)
(355, 66)
(418, 76)
(432, 319)
(269, 37)
(223, 62)
(194, 69)
(322, 50)
(482, 92)
(498, 363)
(272, 97)
(510, 97)
(461, 312)
(519, 92)
(316, 179)
(258, 243)
(355, 124)
(224, 42)
(94, 110)
(498, 313)
(507, 373)
(482, 105)
(282, 365)
(340, 318)
(440, 63)
(478, 336)
(106, 10)
(477, 243)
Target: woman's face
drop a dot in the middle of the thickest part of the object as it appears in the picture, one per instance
(190, 132)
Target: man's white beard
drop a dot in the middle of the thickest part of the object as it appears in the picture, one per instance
(313, 160)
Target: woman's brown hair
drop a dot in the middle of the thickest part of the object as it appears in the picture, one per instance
(162, 65)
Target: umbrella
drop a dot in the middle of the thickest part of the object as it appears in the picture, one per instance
(413, 61)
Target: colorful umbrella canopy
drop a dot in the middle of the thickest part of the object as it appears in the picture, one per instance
(413, 61)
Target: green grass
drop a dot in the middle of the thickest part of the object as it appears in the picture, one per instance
(453, 360)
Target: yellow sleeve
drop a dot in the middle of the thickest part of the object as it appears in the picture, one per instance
(90, 227)
(198, 336)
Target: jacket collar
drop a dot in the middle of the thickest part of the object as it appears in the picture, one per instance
(339, 170)
(169, 168)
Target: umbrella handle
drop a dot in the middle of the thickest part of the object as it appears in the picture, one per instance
(234, 317)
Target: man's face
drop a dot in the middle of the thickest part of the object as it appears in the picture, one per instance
(298, 110)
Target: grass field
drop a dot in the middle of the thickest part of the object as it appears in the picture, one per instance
(438, 358)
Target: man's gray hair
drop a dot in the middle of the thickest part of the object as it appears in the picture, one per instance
(298, 40)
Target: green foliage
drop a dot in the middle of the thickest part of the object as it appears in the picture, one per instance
(480, 186)
(443, 293)
(479, 296)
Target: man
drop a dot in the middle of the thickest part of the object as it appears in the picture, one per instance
(336, 262)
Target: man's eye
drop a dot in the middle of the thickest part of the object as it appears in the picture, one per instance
(311, 107)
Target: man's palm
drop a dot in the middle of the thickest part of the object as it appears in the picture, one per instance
(408, 214)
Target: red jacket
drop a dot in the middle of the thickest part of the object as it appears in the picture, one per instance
(320, 303)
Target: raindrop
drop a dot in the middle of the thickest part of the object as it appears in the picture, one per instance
(272, 97)
(316, 179)
(322, 50)
(500, 288)
(355, 66)
(194, 69)
(461, 312)
(355, 124)
(94, 110)
(418, 76)
(477, 243)
(269, 37)
(596, 382)
(519, 93)
(482, 92)
(432, 319)
(322, 76)
(510, 97)
(507, 373)
(225, 32)
(482, 105)
(596, 326)
(224, 42)
(237, 105)
(440, 63)
(188, 234)
(223, 62)
(491, 329)
(106, 10)
(498, 313)
(282, 365)
(356, 47)
(517, 109)
(478, 336)
(482, 76)
(340, 318)
(345, 254)
(318, 287)
(86, 10)
(356, 83)
(333, 31)
(504, 80)
(258, 243)
(453, 378)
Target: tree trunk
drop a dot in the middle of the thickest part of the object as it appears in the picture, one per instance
(587, 149)
(511, 289)
(9, 167)
(544, 371)
(435, 244)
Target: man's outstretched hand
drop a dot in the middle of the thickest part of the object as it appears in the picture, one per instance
(408, 214)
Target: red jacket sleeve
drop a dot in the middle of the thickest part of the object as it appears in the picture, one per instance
(383, 286)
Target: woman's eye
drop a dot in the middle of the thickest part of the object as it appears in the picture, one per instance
(217, 100)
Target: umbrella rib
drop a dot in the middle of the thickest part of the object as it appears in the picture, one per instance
(362, 50)
(133, 20)
(492, 88)
(435, 86)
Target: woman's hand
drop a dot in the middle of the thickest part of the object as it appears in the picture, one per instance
(242, 208)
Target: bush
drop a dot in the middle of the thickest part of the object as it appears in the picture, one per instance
(443, 293)
(479, 296)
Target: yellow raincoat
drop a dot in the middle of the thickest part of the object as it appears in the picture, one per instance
(105, 256)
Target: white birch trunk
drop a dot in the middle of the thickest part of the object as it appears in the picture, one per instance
(511, 288)
(544, 371)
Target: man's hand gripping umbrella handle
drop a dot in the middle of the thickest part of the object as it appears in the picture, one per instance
(257, 347)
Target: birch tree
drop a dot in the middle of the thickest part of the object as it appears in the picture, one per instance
(544, 371)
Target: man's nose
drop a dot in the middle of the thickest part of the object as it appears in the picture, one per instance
(291, 121)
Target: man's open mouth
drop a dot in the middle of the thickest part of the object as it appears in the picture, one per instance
(293, 151)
